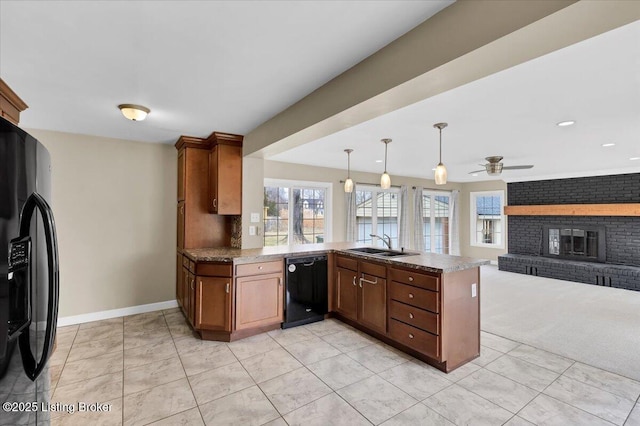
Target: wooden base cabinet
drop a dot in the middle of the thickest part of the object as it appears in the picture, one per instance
(434, 317)
(213, 303)
(361, 292)
(259, 301)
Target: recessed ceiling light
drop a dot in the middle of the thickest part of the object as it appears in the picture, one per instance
(566, 123)
(378, 161)
(634, 158)
(606, 145)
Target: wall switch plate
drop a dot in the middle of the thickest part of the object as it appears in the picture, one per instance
(255, 217)
(474, 290)
(252, 230)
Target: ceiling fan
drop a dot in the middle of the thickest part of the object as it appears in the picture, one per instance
(494, 167)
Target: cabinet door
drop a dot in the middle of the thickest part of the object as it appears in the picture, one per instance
(213, 180)
(179, 279)
(229, 185)
(347, 293)
(213, 303)
(191, 297)
(186, 284)
(372, 303)
(259, 301)
(180, 238)
(181, 171)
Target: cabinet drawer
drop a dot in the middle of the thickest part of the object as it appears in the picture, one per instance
(411, 315)
(415, 296)
(185, 262)
(373, 269)
(415, 338)
(214, 269)
(347, 263)
(259, 268)
(419, 280)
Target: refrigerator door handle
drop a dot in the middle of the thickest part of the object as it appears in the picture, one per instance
(32, 367)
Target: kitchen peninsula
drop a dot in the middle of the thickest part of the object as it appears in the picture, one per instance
(424, 304)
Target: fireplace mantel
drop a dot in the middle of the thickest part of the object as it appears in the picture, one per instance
(621, 209)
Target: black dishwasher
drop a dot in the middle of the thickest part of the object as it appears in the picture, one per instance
(306, 290)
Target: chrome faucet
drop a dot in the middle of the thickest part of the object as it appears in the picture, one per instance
(387, 241)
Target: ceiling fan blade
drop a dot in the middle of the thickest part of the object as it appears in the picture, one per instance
(528, 166)
(478, 171)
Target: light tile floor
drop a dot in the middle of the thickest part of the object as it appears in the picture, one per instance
(152, 370)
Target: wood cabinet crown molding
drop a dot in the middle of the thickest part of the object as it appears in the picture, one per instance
(621, 209)
(215, 138)
(12, 97)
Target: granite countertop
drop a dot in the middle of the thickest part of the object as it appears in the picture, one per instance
(430, 262)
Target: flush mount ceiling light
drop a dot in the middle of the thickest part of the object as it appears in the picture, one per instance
(348, 184)
(134, 112)
(607, 145)
(634, 158)
(566, 123)
(441, 170)
(385, 179)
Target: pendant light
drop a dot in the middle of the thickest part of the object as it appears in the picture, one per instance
(385, 179)
(441, 170)
(348, 184)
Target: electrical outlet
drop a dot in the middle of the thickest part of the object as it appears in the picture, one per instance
(252, 230)
(255, 217)
(474, 290)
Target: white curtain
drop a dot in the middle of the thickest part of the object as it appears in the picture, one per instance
(352, 228)
(454, 223)
(418, 226)
(403, 218)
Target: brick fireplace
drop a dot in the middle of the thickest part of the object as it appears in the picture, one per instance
(603, 250)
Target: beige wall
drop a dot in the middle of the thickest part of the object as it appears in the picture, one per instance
(114, 206)
(465, 222)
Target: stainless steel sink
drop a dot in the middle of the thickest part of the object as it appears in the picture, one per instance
(381, 252)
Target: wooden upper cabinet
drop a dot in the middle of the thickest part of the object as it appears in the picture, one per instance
(225, 174)
(181, 225)
(181, 174)
(10, 104)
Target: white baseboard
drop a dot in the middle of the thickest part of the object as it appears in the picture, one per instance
(115, 313)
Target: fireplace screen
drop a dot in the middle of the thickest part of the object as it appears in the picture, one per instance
(579, 243)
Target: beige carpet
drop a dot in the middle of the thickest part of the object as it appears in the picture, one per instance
(598, 326)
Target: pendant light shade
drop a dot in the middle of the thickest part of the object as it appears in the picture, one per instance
(441, 170)
(134, 112)
(385, 179)
(348, 183)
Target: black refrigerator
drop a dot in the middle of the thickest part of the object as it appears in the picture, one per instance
(28, 278)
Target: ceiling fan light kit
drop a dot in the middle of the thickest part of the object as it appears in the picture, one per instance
(441, 171)
(494, 166)
(348, 183)
(385, 179)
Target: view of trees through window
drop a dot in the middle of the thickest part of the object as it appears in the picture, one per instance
(293, 215)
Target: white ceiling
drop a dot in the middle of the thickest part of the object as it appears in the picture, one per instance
(199, 65)
(231, 65)
(513, 114)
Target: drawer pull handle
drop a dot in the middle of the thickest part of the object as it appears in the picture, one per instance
(410, 278)
(410, 336)
(410, 315)
(260, 267)
(410, 295)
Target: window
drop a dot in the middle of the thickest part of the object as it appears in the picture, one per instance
(377, 213)
(487, 220)
(435, 218)
(294, 212)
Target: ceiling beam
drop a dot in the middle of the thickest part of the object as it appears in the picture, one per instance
(466, 41)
